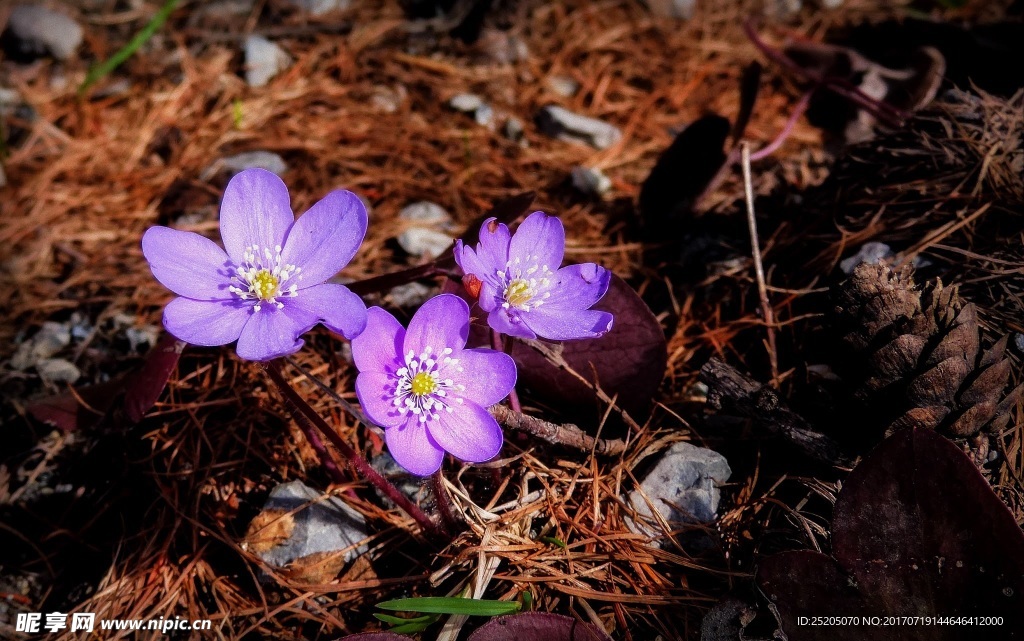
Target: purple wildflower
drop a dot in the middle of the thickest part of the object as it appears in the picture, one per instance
(268, 288)
(426, 389)
(522, 288)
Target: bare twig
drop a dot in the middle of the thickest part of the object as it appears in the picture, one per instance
(755, 249)
(558, 433)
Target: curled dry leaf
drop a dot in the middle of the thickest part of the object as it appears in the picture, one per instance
(916, 532)
(538, 626)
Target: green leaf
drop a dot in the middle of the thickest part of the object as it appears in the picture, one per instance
(552, 540)
(451, 605)
(393, 620)
(101, 70)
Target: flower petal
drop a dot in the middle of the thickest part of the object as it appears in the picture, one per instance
(325, 238)
(442, 321)
(487, 375)
(271, 333)
(490, 297)
(539, 236)
(557, 325)
(333, 305)
(379, 347)
(492, 251)
(205, 322)
(375, 391)
(255, 210)
(468, 432)
(500, 321)
(578, 287)
(188, 264)
(413, 448)
(467, 258)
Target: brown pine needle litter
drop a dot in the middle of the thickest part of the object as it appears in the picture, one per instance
(154, 524)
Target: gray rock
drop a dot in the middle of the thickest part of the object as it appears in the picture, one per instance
(672, 8)
(682, 486)
(502, 47)
(248, 159)
(563, 86)
(420, 241)
(50, 339)
(10, 100)
(321, 7)
(426, 212)
(871, 253)
(407, 484)
(591, 181)
(263, 60)
(387, 99)
(39, 30)
(1018, 342)
(566, 125)
(58, 370)
(514, 129)
(473, 105)
(322, 525)
(409, 295)
(142, 338)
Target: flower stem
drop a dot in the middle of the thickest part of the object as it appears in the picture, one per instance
(444, 502)
(309, 421)
(499, 344)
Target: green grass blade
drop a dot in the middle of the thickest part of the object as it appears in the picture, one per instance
(113, 62)
(451, 605)
(393, 620)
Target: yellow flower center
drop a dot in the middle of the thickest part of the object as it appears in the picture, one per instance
(518, 293)
(422, 384)
(264, 285)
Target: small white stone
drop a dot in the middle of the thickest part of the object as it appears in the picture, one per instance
(563, 86)
(467, 103)
(249, 159)
(426, 212)
(423, 242)
(140, 337)
(263, 60)
(321, 7)
(409, 295)
(591, 181)
(50, 339)
(870, 252)
(58, 370)
(566, 125)
(39, 30)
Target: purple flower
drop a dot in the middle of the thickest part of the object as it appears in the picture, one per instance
(426, 389)
(522, 289)
(268, 288)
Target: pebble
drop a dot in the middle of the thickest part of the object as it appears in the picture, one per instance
(407, 484)
(473, 105)
(563, 86)
(263, 60)
(423, 242)
(871, 253)
(502, 47)
(680, 9)
(319, 526)
(50, 339)
(591, 181)
(10, 100)
(565, 125)
(1018, 342)
(409, 295)
(426, 212)
(514, 130)
(321, 7)
(682, 486)
(142, 338)
(387, 99)
(58, 370)
(39, 30)
(247, 160)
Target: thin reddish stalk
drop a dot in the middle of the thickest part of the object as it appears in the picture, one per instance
(499, 345)
(444, 502)
(309, 421)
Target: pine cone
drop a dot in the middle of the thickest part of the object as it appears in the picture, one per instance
(917, 354)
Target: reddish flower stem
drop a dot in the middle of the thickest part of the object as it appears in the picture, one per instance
(444, 502)
(499, 344)
(309, 422)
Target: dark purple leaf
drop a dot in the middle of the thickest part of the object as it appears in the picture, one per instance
(77, 410)
(538, 626)
(917, 531)
(629, 361)
(144, 389)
